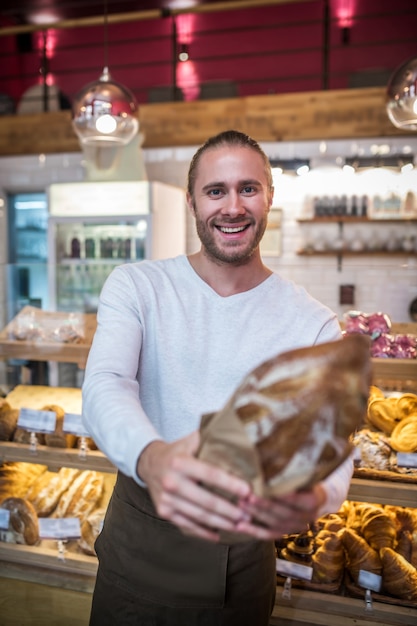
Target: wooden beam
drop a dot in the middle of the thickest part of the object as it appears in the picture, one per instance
(339, 114)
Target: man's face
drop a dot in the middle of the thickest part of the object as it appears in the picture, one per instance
(231, 202)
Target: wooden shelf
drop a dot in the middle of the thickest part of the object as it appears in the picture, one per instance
(355, 220)
(55, 458)
(324, 609)
(356, 253)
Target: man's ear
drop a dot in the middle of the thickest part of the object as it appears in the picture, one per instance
(190, 203)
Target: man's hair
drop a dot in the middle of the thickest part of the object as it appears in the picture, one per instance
(226, 138)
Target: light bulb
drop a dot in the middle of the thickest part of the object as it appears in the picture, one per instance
(402, 96)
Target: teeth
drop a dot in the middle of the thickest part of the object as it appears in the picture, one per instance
(229, 229)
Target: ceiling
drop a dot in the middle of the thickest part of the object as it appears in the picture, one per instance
(15, 12)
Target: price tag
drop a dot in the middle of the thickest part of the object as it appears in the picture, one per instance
(406, 459)
(73, 424)
(294, 570)
(367, 580)
(4, 519)
(37, 421)
(59, 528)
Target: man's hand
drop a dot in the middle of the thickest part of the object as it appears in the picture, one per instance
(280, 516)
(175, 480)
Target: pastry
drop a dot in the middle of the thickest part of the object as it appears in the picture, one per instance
(47, 490)
(379, 529)
(58, 439)
(82, 496)
(399, 577)
(375, 450)
(299, 550)
(90, 530)
(404, 436)
(407, 405)
(359, 555)
(329, 560)
(23, 522)
(382, 414)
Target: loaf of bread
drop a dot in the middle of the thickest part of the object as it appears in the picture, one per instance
(58, 439)
(297, 412)
(16, 478)
(21, 435)
(399, 577)
(90, 530)
(23, 522)
(46, 492)
(82, 496)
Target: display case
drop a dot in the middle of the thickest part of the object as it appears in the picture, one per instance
(72, 578)
(94, 227)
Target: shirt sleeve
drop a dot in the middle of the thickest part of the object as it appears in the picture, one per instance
(112, 412)
(336, 486)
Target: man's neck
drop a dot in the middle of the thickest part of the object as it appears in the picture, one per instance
(228, 279)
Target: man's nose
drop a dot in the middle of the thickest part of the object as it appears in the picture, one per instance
(233, 204)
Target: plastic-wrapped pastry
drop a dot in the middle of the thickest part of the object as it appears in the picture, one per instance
(359, 555)
(399, 577)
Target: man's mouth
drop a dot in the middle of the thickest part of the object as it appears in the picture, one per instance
(231, 230)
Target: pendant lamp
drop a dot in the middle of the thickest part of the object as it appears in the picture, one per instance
(402, 96)
(105, 113)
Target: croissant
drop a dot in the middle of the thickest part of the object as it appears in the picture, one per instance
(399, 577)
(405, 545)
(359, 554)
(328, 560)
(379, 530)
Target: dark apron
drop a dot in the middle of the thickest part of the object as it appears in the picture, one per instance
(151, 574)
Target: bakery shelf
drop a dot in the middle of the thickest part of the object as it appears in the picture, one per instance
(55, 458)
(310, 608)
(383, 491)
(45, 348)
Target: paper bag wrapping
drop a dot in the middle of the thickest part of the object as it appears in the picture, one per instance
(288, 424)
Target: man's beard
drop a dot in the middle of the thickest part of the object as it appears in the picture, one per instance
(227, 253)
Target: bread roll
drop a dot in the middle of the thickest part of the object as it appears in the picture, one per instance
(47, 490)
(8, 421)
(82, 496)
(90, 530)
(23, 522)
(399, 577)
(58, 439)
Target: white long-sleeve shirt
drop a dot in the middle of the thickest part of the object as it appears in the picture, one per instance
(168, 349)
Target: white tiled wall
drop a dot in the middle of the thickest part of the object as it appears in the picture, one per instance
(381, 283)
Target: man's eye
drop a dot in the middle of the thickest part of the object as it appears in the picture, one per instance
(248, 189)
(214, 192)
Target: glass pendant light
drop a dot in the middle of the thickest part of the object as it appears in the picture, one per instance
(105, 113)
(402, 96)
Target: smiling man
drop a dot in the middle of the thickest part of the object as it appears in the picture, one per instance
(174, 339)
